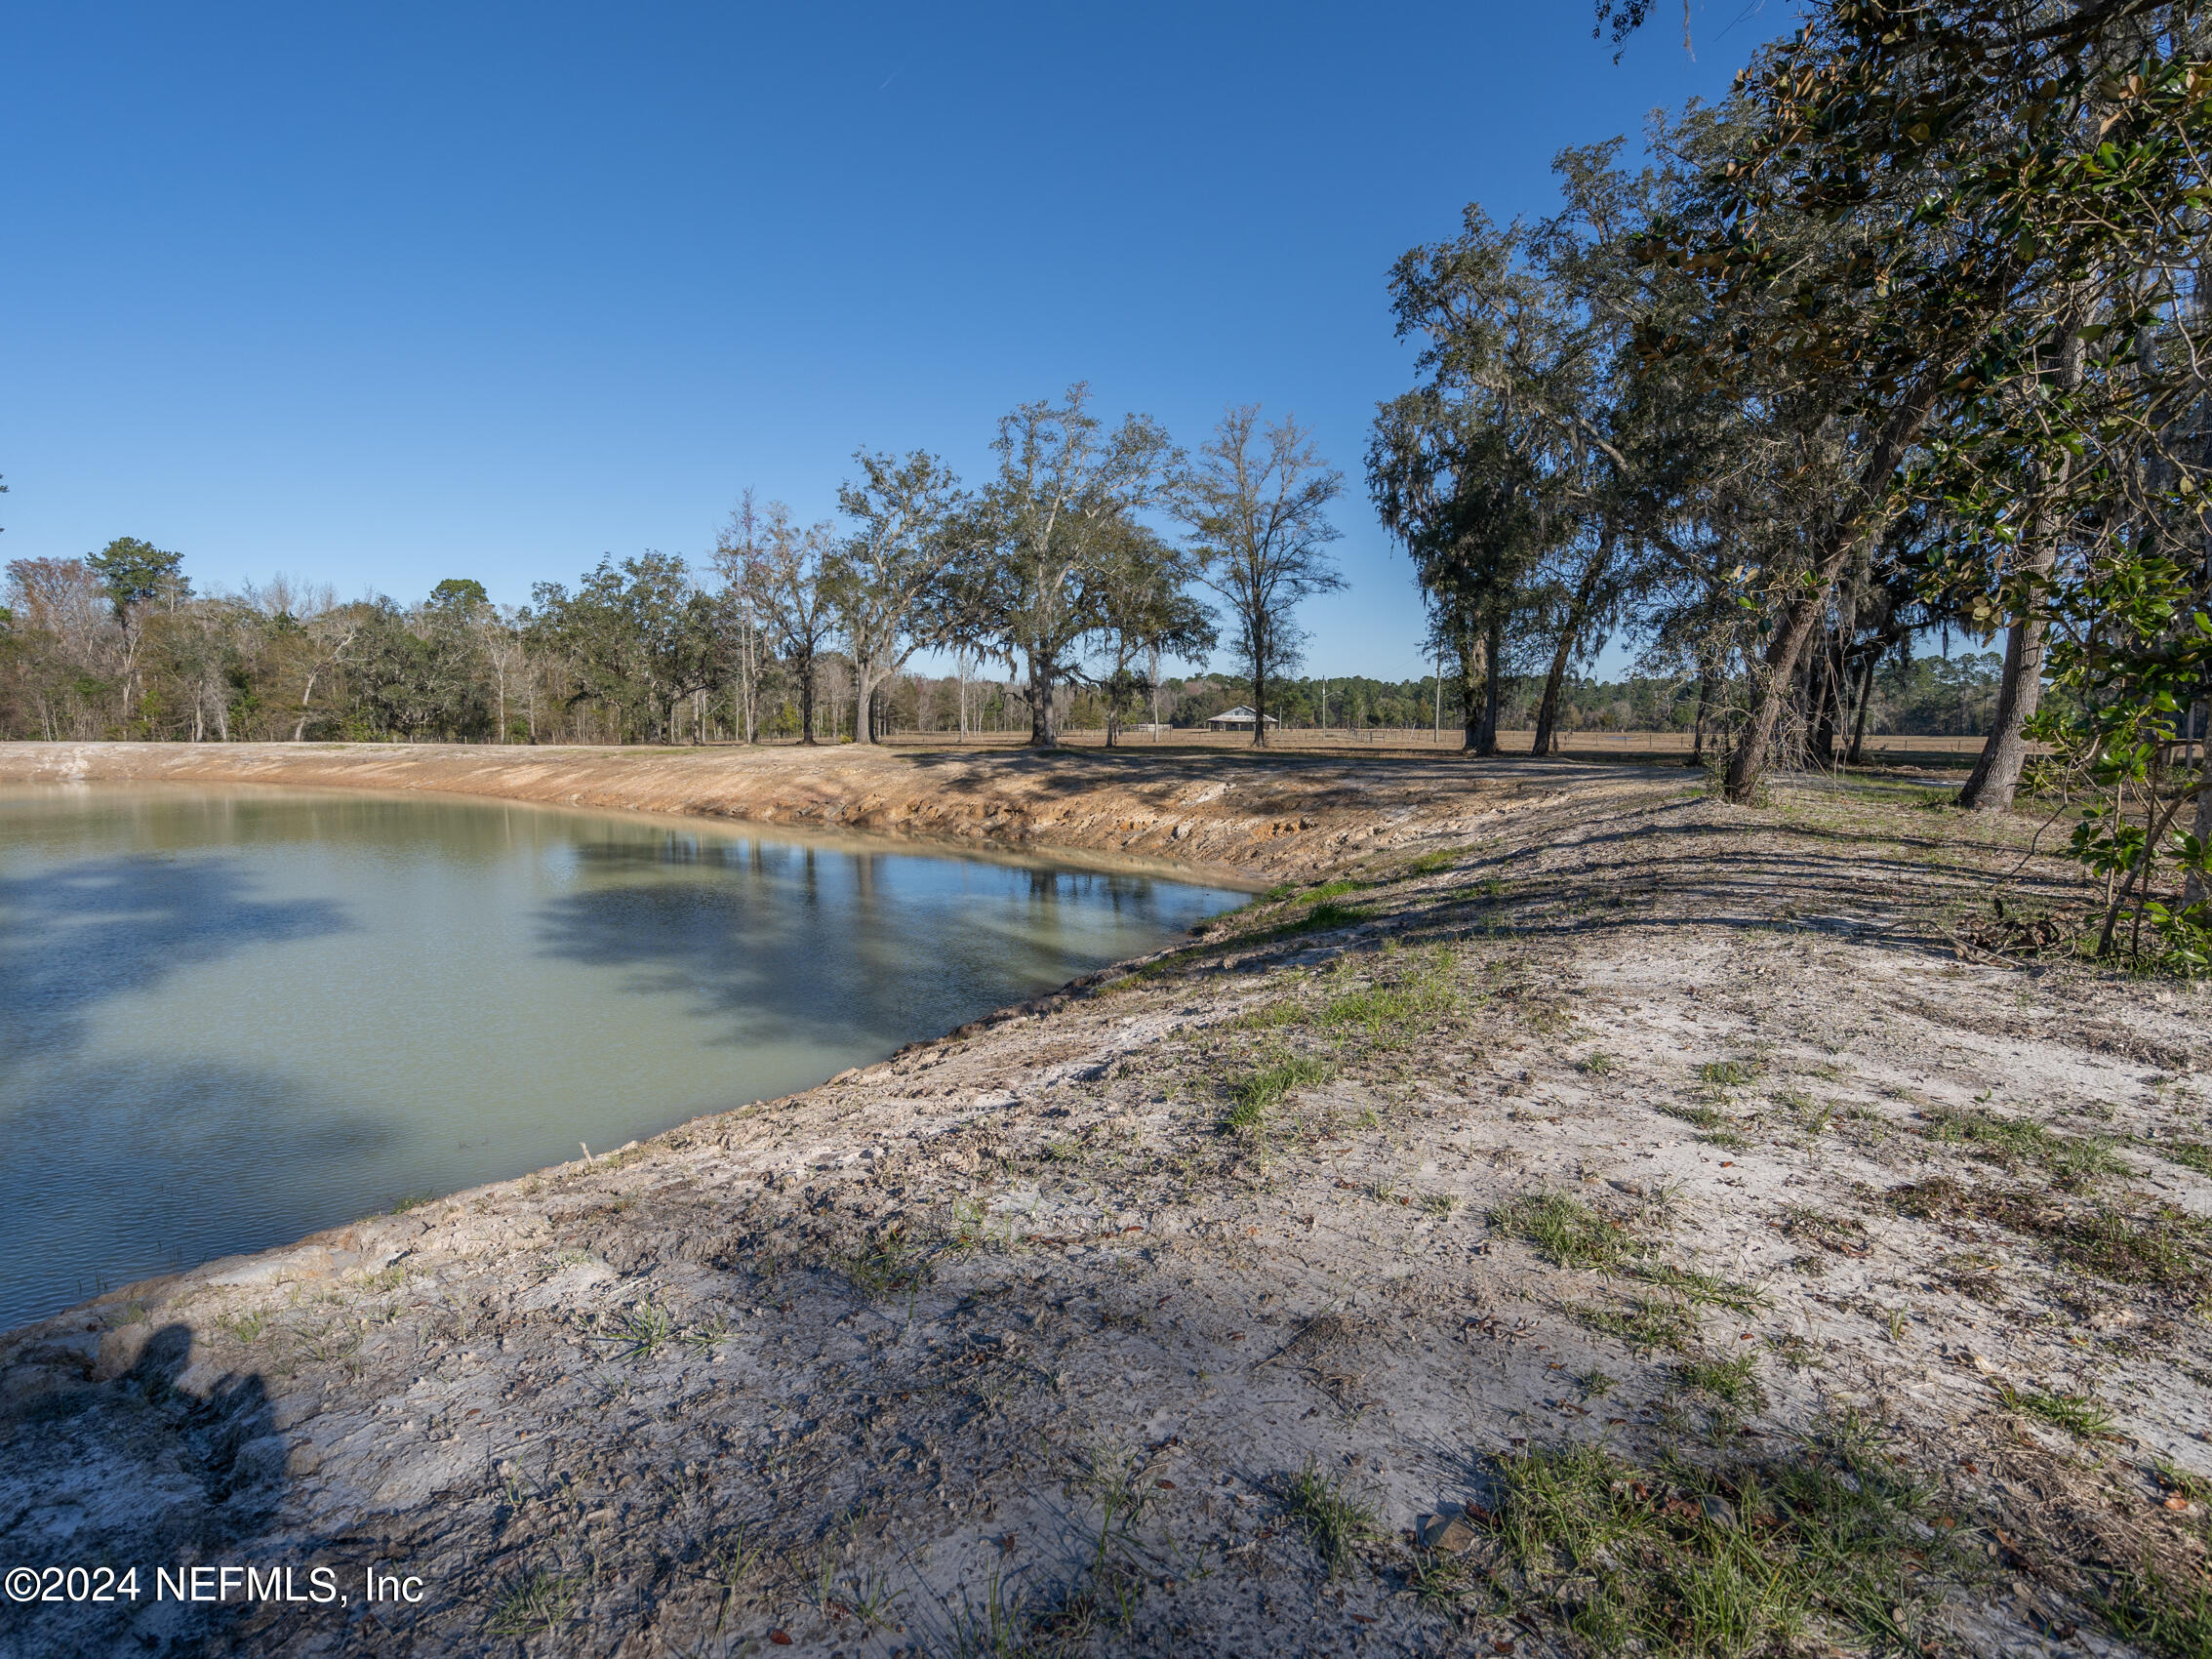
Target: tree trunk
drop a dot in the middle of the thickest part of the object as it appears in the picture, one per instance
(806, 700)
(1547, 710)
(1259, 691)
(1044, 730)
(1856, 755)
(1749, 763)
(1472, 660)
(1843, 538)
(864, 703)
(1708, 691)
(1828, 705)
(1995, 778)
(1492, 687)
(1570, 635)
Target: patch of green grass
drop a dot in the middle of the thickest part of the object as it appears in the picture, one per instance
(1324, 917)
(1824, 1546)
(1439, 1582)
(2015, 1141)
(1596, 1063)
(1702, 1289)
(247, 1326)
(2078, 1414)
(639, 1333)
(1811, 1116)
(1574, 1235)
(1844, 1235)
(1732, 1381)
(1269, 1016)
(1393, 1013)
(1544, 1015)
(1646, 1326)
(411, 1201)
(1439, 861)
(1335, 1521)
(2164, 1248)
(998, 1628)
(704, 1338)
(1264, 1088)
(1333, 890)
(534, 1602)
(1704, 1116)
(1729, 1074)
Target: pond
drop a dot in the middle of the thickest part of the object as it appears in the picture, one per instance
(232, 1016)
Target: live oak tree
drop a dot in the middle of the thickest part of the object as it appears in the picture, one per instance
(1043, 531)
(1979, 165)
(1257, 505)
(888, 580)
(1504, 473)
(1449, 487)
(784, 577)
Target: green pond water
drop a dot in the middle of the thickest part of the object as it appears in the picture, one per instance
(232, 1016)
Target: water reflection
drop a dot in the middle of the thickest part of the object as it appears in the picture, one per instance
(231, 1016)
(105, 927)
(769, 940)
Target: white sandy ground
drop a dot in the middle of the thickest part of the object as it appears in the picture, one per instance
(1006, 1345)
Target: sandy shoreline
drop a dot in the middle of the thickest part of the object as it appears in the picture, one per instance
(1043, 1337)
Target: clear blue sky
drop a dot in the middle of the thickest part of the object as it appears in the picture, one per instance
(382, 295)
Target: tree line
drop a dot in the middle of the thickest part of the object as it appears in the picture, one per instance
(1080, 567)
(1907, 332)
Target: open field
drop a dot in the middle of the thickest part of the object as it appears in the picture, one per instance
(1573, 1215)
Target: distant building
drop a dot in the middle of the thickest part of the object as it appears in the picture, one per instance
(1237, 720)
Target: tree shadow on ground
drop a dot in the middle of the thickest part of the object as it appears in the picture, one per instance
(1073, 772)
(1669, 872)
